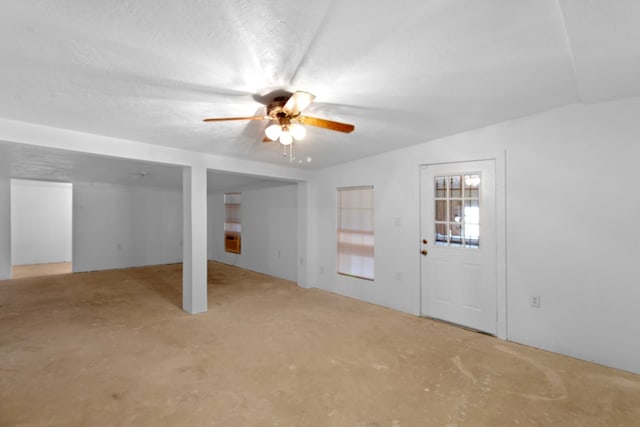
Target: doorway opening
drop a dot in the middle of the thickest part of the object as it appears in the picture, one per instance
(41, 228)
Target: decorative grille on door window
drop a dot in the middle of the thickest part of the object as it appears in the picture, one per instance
(232, 226)
(457, 205)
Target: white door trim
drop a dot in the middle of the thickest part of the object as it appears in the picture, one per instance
(499, 157)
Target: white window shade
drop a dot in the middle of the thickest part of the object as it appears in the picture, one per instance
(355, 233)
(232, 225)
(232, 212)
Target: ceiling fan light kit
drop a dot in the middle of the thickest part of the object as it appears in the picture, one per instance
(297, 131)
(285, 131)
(285, 114)
(286, 138)
(273, 131)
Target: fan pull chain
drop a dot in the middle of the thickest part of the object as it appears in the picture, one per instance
(290, 154)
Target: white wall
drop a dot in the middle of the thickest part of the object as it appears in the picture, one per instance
(572, 234)
(306, 247)
(269, 231)
(118, 226)
(5, 227)
(40, 222)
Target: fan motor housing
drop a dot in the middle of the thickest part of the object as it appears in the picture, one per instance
(274, 109)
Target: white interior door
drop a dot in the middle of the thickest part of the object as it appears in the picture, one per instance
(458, 244)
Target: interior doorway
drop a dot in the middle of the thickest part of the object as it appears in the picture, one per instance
(41, 228)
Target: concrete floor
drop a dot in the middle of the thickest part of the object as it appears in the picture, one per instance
(113, 348)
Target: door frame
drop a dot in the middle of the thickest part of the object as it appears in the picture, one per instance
(499, 158)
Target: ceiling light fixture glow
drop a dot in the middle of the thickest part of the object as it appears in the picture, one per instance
(286, 133)
(286, 138)
(297, 131)
(273, 132)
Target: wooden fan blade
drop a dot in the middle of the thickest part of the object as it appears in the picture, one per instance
(224, 119)
(327, 124)
(298, 102)
(266, 139)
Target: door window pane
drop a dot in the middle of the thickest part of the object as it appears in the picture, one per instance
(455, 188)
(441, 210)
(455, 234)
(441, 186)
(471, 212)
(472, 186)
(442, 235)
(457, 210)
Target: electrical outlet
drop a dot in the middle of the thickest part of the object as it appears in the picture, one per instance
(535, 301)
(321, 270)
(399, 276)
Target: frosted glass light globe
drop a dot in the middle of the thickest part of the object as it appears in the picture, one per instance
(297, 131)
(286, 138)
(273, 132)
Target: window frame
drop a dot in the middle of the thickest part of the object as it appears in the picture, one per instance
(466, 194)
(232, 238)
(367, 251)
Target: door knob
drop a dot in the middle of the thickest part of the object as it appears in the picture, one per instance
(424, 252)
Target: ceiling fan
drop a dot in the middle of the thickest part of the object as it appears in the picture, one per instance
(285, 113)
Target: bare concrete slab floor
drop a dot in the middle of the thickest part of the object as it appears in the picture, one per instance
(113, 348)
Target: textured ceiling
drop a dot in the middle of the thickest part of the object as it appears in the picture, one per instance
(402, 73)
(36, 163)
(28, 162)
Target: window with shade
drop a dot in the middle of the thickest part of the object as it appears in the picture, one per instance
(232, 226)
(355, 232)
